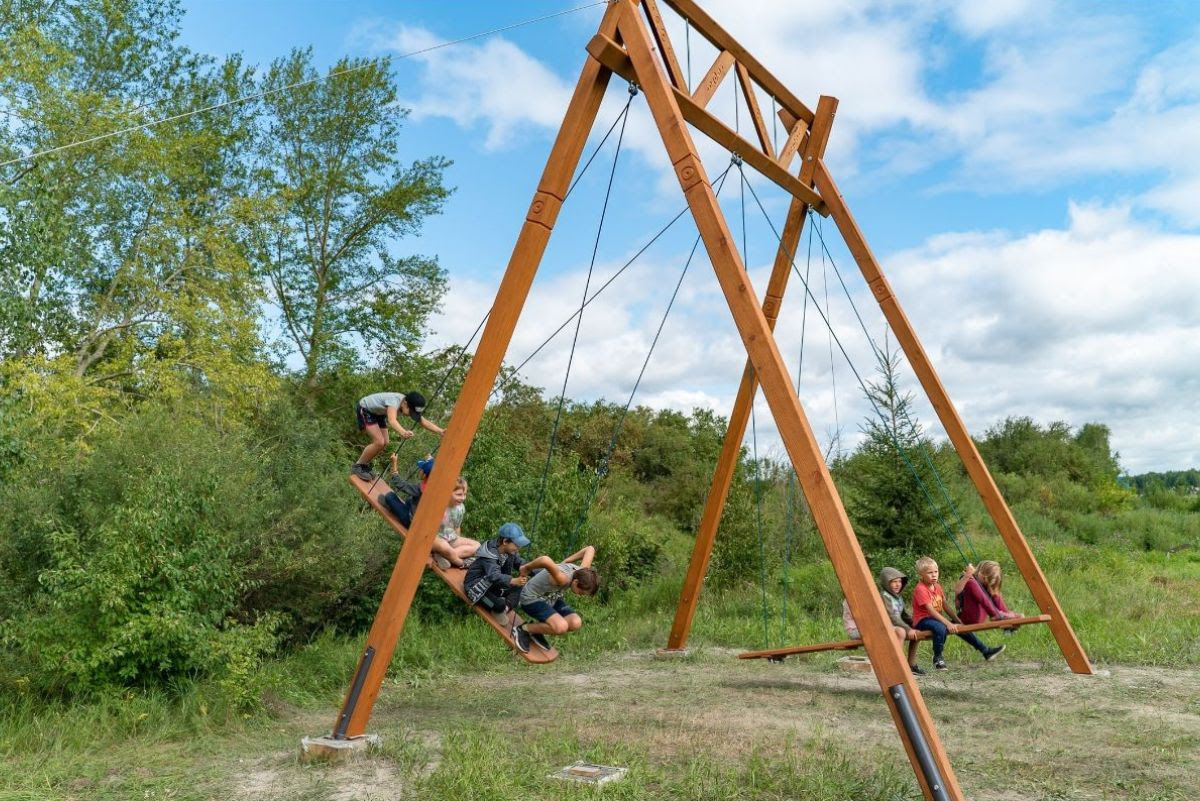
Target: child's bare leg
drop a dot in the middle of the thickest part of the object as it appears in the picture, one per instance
(465, 548)
(379, 441)
(574, 622)
(912, 652)
(442, 548)
(555, 624)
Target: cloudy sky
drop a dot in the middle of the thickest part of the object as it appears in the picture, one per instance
(1026, 172)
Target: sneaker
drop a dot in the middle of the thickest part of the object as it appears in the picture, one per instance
(468, 562)
(917, 670)
(539, 640)
(502, 618)
(363, 472)
(940, 665)
(441, 562)
(520, 637)
(992, 653)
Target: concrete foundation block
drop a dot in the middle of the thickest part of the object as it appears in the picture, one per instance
(328, 749)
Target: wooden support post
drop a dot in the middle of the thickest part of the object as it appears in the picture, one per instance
(712, 79)
(735, 431)
(760, 126)
(908, 709)
(463, 422)
(956, 430)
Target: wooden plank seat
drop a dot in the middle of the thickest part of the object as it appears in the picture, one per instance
(373, 493)
(778, 654)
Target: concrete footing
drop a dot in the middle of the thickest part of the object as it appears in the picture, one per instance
(855, 663)
(671, 653)
(328, 749)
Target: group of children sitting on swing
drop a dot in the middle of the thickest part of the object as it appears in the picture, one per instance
(977, 596)
(497, 578)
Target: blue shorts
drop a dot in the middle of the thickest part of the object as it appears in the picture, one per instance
(543, 611)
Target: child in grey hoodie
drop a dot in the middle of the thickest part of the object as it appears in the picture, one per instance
(891, 584)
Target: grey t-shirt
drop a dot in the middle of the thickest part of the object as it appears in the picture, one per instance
(542, 587)
(378, 403)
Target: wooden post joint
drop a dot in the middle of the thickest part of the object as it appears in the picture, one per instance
(544, 210)
(689, 171)
(880, 289)
(771, 306)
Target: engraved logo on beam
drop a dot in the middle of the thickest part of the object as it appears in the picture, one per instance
(544, 209)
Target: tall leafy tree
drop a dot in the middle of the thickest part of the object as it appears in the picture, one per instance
(117, 266)
(334, 196)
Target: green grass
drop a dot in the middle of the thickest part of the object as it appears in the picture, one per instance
(1129, 608)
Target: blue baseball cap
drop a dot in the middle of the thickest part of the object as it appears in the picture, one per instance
(512, 531)
(425, 466)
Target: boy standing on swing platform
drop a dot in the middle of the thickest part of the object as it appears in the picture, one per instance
(376, 413)
(542, 596)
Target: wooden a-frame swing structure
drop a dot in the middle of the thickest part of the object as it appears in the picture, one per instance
(632, 42)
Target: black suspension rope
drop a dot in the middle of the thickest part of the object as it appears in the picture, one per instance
(913, 429)
(441, 384)
(579, 319)
(862, 384)
(602, 467)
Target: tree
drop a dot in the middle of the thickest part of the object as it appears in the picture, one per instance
(332, 196)
(889, 505)
(117, 268)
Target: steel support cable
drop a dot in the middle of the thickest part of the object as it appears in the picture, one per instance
(862, 384)
(922, 447)
(758, 515)
(602, 468)
(441, 384)
(793, 482)
(296, 85)
(579, 321)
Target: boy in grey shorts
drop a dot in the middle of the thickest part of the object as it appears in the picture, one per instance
(542, 596)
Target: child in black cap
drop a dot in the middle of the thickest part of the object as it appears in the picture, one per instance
(376, 413)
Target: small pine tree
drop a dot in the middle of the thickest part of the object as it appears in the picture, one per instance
(885, 501)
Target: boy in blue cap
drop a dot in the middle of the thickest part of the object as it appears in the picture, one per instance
(405, 507)
(494, 580)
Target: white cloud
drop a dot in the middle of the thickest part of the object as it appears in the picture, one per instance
(494, 84)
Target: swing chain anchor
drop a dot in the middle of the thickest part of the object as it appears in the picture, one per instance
(736, 158)
(633, 89)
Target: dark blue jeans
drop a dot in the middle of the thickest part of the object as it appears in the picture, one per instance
(939, 631)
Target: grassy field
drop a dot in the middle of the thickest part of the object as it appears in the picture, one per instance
(462, 719)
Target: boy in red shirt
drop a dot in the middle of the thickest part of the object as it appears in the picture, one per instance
(931, 614)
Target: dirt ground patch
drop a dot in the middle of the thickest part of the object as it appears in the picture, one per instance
(1013, 730)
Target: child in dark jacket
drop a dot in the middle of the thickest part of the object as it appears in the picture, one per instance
(405, 495)
(494, 580)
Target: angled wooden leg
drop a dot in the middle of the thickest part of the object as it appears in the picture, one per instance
(912, 719)
(468, 409)
(735, 432)
(956, 430)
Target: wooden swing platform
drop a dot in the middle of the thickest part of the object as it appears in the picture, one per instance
(373, 493)
(778, 654)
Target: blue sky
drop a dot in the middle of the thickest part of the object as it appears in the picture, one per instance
(1024, 170)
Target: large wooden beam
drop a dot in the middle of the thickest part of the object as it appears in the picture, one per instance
(735, 431)
(850, 645)
(468, 409)
(912, 719)
(720, 38)
(712, 79)
(613, 56)
(956, 430)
